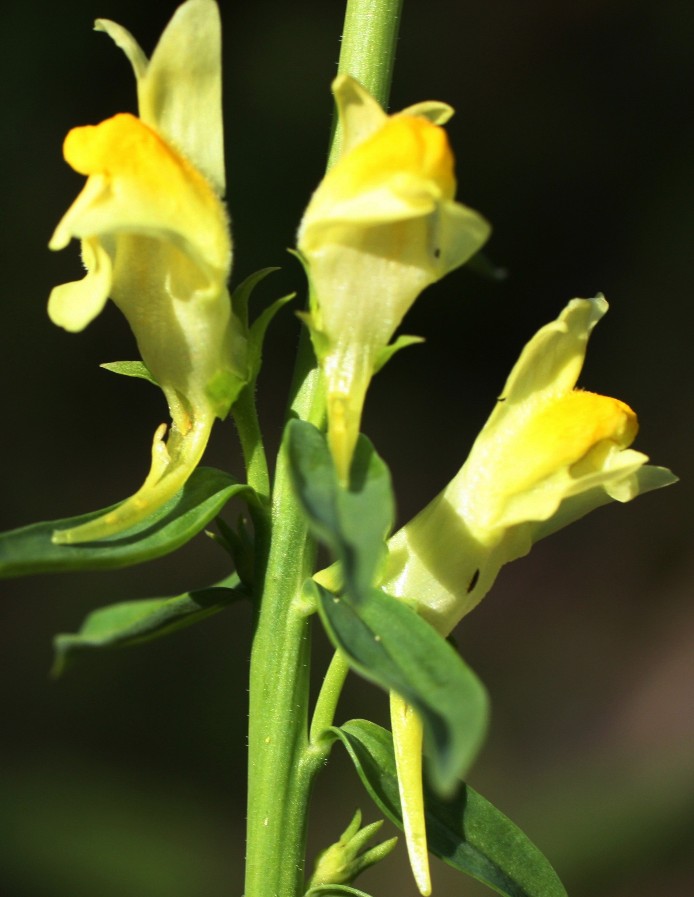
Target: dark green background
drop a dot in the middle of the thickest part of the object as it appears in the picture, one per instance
(574, 135)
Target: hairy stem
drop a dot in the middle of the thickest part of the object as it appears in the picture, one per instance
(368, 52)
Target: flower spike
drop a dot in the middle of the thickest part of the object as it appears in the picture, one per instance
(155, 239)
(382, 225)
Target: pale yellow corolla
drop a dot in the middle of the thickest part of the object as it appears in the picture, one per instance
(548, 454)
(382, 225)
(155, 239)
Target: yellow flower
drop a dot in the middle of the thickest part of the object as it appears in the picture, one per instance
(382, 225)
(155, 239)
(548, 454)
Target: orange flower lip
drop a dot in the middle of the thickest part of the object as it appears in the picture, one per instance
(565, 431)
(117, 145)
(405, 146)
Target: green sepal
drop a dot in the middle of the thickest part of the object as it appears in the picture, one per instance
(388, 643)
(242, 294)
(320, 341)
(135, 622)
(466, 832)
(137, 369)
(223, 389)
(257, 332)
(402, 342)
(30, 549)
(353, 522)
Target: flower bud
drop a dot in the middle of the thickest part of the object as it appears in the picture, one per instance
(343, 861)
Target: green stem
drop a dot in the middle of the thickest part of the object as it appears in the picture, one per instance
(329, 695)
(281, 768)
(368, 52)
(282, 762)
(246, 419)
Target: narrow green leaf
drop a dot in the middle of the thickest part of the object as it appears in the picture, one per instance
(134, 622)
(30, 549)
(137, 369)
(353, 522)
(242, 293)
(402, 342)
(388, 643)
(466, 832)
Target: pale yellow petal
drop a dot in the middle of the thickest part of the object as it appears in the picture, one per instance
(74, 305)
(552, 360)
(457, 233)
(399, 198)
(437, 113)
(180, 89)
(181, 94)
(123, 39)
(360, 115)
(644, 479)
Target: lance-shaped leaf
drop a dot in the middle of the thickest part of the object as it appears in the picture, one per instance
(135, 622)
(389, 644)
(30, 549)
(353, 521)
(466, 832)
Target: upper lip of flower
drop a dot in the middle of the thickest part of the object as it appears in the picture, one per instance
(179, 89)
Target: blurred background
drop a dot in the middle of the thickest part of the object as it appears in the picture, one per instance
(574, 136)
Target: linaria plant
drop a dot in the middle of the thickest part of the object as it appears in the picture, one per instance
(386, 221)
